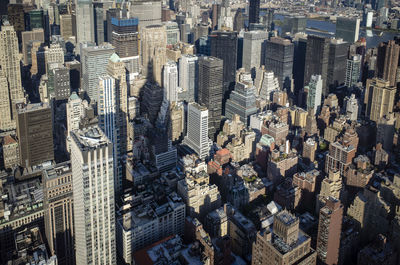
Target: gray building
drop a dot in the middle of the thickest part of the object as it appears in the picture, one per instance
(253, 49)
(347, 29)
(94, 64)
(338, 51)
(173, 33)
(242, 102)
(59, 81)
(279, 59)
(294, 24)
(85, 20)
(353, 70)
(211, 90)
(188, 77)
(152, 100)
(148, 12)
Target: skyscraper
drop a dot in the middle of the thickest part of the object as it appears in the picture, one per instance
(170, 82)
(93, 185)
(242, 101)
(58, 212)
(6, 122)
(211, 91)
(254, 11)
(108, 122)
(347, 29)
(329, 230)
(35, 134)
(253, 50)
(94, 64)
(153, 46)
(338, 51)
(379, 98)
(317, 58)
(125, 36)
(279, 59)
(27, 38)
(387, 61)
(188, 77)
(197, 130)
(85, 22)
(147, 11)
(314, 93)
(224, 45)
(9, 62)
(98, 23)
(353, 70)
(67, 28)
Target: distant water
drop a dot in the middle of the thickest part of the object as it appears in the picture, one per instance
(372, 37)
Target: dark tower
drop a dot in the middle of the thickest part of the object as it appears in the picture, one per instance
(254, 11)
(211, 91)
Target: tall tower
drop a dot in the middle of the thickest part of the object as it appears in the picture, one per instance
(353, 70)
(94, 62)
(224, 45)
(252, 50)
(316, 61)
(329, 230)
(171, 82)
(108, 122)
(116, 69)
(197, 130)
(254, 11)
(85, 21)
(314, 93)
(338, 52)
(188, 79)
(379, 98)
(9, 62)
(347, 29)
(93, 185)
(153, 47)
(6, 122)
(388, 57)
(211, 91)
(279, 59)
(125, 36)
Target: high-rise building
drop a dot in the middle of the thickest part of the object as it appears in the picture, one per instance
(285, 243)
(379, 98)
(58, 85)
(173, 34)
(188, 77)
(353, 70)
(147, 11)
(329, 230)
(347, 29)
(85, 22)
(242, 102)
(238, 21)
(125, 36)
(340, 156)
(58, 212)
(6, 122)
(35, 134)
(211, 91)
(9, 62)
(107, 110)
(317, 58)
(93, 186)
(294, 24)
(197, 130)
(67, 28)
(299, 59)
(314, 93)
(224, 45)
(153, 95)
(116, 69)
(338, 52)
(94, 64)
(279, 59)
(352, 107)
(75, 112)
(27, 38)
(387, 61)
(153, 47)
(253, 50)
(254, 11)
(53, 54)
(98, 22)
(170, 82)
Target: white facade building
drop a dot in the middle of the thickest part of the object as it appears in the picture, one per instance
(188, 77)
(170, 80)
(314, 93)
(197, 130)
(93, 185)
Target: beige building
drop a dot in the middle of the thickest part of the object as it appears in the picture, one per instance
(200, 197)
(10, 152)
(153, 46)
(331, 186)
(10, 65)
(54, 54)
(379, 98)
(35, 57)
(6, 122)
(285, 244)
(27, 39)
(298, 117)
(116, 69)
(58, 212)
(66, 26)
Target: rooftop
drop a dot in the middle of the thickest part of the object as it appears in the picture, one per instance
(90, 138)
